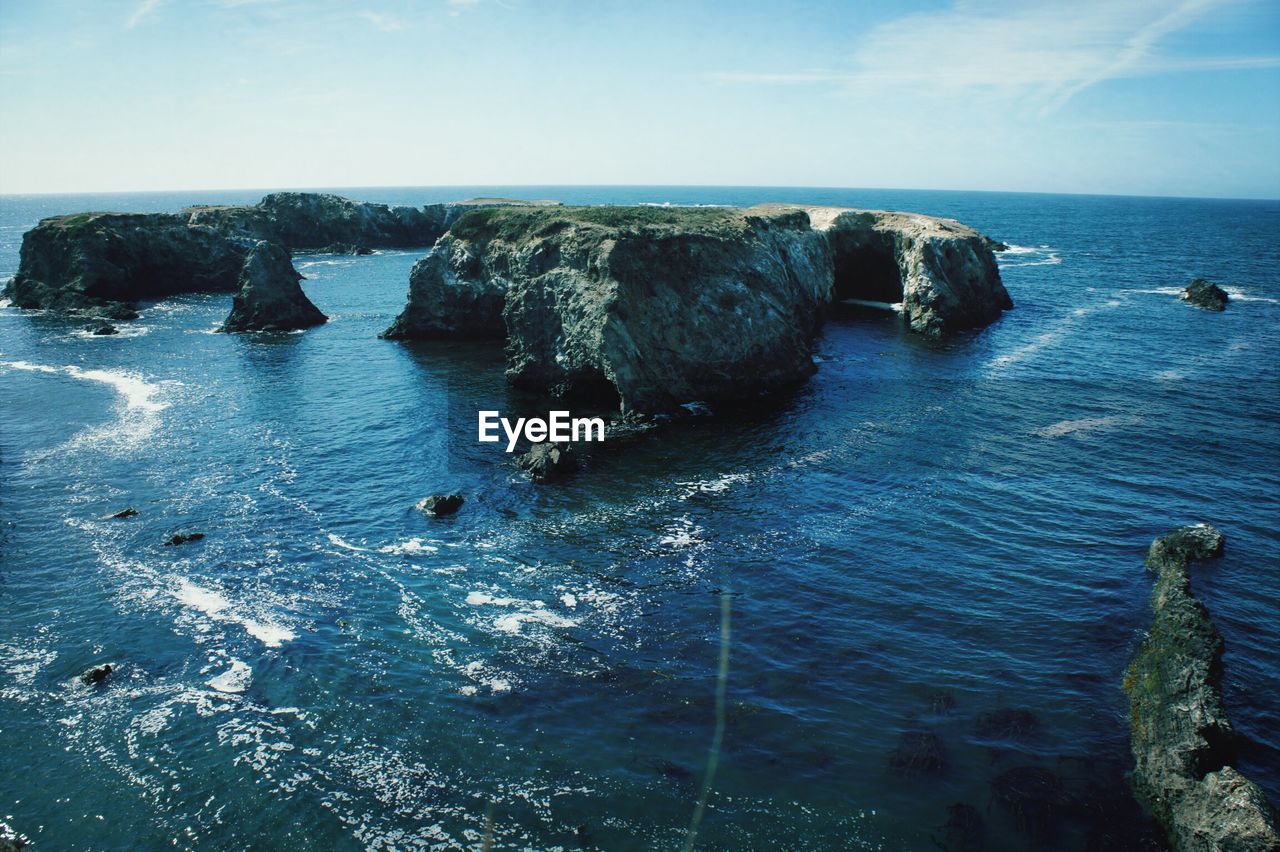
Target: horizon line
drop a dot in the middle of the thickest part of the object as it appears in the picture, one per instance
(270, 189)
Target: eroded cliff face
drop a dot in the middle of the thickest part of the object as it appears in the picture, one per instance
(1182, 740)
(92, 261)
(943, 273)
(100, 263)
(653, 307)
(662, 307)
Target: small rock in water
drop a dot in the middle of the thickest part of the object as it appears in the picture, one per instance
(964, 831)
(183, 538)
(919, 752)
(1205, 294)
(96, 675)
(125, 513)
(104, 329)
(548, 462)
(439, 505)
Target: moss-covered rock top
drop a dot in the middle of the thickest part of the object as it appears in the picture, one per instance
(515, 223)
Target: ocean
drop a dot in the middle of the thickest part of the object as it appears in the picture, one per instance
(925, 534)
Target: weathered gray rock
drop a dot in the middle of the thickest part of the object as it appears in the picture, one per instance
(1182, 740)
(319, 221)
(1205, 294)
(548, 462)
(655, 308)
(943, 273)
(98, 263)
(104, 330)
(270, 298)
(649, 307)
(439, 505)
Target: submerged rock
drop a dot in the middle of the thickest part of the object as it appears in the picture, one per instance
(103, 330)
(270, 298)
(1182, 740)
(11, 840)
(182, 538)
(919, 752)
(964, 831)
(1205, 294)
(548, 462)
(650, 309)
(125, 513)
(96, 675)
(1033, 796)
(439, 505)
(1007, 723)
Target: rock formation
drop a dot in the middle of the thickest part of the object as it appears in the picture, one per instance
(656, 308)
(98, 263)
(943, 273)
(270, 298)
(548, 462)
(440, 505)
(1205, 294)
(1182, 740)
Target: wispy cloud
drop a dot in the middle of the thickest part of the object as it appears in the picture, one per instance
(146, 7)
(386, 23)
(1041, 54)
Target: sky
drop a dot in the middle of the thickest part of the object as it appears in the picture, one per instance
(1131, 97)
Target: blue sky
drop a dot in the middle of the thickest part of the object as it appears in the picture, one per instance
(1153, 97)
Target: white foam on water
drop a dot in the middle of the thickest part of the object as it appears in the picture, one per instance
(137, 392)
(895, 307)
(345, 545)
(1088, 424)
(514, 622)
(235, 679)
(1241, 296)
(482, 599)
(412, 547)
(217, 607)
(569, 600)
(123, 331)
(1028, 256)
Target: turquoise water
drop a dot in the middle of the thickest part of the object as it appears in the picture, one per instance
(329, 669)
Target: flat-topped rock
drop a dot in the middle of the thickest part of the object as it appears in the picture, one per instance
(648, 307)
(99, 263)
(658, 307)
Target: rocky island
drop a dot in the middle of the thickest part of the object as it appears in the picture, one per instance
(644, 309)
(1182, 740)
(653, 308)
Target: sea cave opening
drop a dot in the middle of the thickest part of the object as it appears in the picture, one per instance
(866, 269)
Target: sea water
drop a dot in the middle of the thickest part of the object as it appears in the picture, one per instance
(924, 533)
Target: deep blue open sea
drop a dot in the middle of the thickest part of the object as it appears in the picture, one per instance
(925, 533)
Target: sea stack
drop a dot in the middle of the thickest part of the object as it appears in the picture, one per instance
(270, 298)
(1182, 739)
